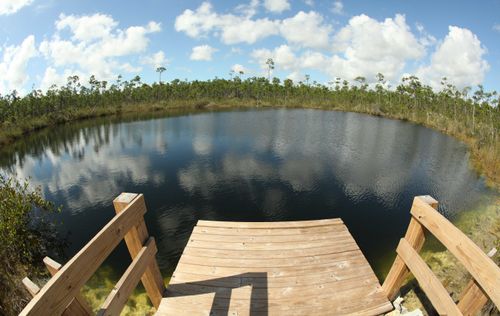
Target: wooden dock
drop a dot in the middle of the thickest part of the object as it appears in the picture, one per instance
(275, 268)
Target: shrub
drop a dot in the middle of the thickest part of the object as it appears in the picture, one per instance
(26, 236)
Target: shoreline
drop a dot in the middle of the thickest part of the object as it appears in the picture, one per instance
(477, 223)
(484, 161)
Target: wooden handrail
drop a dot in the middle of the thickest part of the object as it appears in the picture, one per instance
(479, 265)
(63, 289)
(118, 297)
(429, 283)
(77, 307)
(473, 297)
(135, 238)
(485, 273)
(415, 237)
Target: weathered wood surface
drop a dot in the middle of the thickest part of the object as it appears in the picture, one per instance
(415, 236)
(118, 297)
(282, 268)
(135, 239)
(30, 286)
(435, 291)
(473, 298)
(55, 296)
(480, 266)
(78, 306)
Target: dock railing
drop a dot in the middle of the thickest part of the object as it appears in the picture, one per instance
(61, 294)
(485, 273)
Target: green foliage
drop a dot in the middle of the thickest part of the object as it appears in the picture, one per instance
(26, 236)
(23, 229)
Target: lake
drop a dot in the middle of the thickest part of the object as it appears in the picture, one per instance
(252, 165)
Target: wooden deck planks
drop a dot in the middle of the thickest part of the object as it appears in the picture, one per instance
(276, 268)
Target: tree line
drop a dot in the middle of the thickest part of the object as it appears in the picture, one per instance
(409, 96)
(465, 113)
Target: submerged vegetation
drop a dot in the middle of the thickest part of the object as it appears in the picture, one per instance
(472, 117)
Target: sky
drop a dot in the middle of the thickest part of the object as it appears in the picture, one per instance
(42, 42)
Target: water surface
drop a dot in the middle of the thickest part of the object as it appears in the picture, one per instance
(271, 165)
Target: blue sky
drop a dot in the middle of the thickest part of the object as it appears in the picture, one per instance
(44, 41)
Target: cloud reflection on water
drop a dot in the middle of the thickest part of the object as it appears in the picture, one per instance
(251, 165)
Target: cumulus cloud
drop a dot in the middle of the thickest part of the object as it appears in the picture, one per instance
(155, 60)
(459, 58)
(283, 57)
(367, 47)
(14, 63)
(87, 28)
(231, 28)
(202, 52)
(95, 46)
(12, 6)
(276, 6)
(304, 29)
(364, 47)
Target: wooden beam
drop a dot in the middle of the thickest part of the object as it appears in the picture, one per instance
(118, 297)
(135, 239)
(66, 283)
(78, 306)
(30, 286)
(415, 236)
(429, 283)
(473, 297)
(479, 265)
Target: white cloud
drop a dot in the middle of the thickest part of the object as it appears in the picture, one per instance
(14, 63)
(306, 29)
(276, 6)
(283, 57)
(309, 2)
(237, 68)
(368, 47)
(231, 29)
(52, 77)
(364, 47)
(155, 60)
(95, 47)
(87, 28)
(12, 6)
(202, 52)
(496, 27)
(338, 7)
(459, 58)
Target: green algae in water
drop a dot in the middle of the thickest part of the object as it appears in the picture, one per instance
(102, 282)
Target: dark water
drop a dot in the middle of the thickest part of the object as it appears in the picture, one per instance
(268, 165)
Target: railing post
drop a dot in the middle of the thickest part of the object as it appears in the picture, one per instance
(135, 239)
(473, 297)
(415, 237)
(78, 305)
